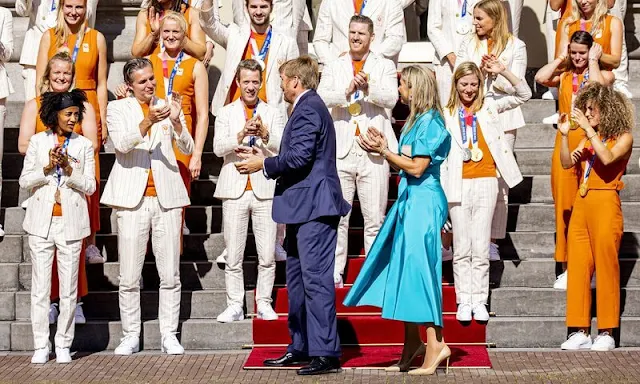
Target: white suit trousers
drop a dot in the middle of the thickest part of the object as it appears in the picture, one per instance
(370, 176)
(3, 117)
(471, 220)
(235, 215)
(29, 77)
(444, 78)
(134, 226)
(501, 212)
(621, 73)
(68, 258)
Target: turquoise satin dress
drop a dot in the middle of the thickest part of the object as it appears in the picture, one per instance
(402, 273)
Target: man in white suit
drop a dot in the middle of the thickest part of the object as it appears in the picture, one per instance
(147, 194)
(331, 38)
(358, 87)
(246, 123)
(241, 42)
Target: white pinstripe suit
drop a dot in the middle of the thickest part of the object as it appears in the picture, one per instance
(356, 168)
(137, 215)
(64, 233)
(238, 204)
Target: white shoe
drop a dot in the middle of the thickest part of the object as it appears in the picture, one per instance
(222, 258)
(464, 312)
(622, 88)
(266, 312)
(337, 281)
(577, 340)
(553, 119)
(93, 255)
(447, 254)
(550, 95)
(79, 315)
(63, 355)
(494, 252)
(281, 254)
(480, 312)
(171, 345)
(40, 356)
(1, 231)
(185, 231)
(603, 343)
(128, 346)
(561, 281)
(53, 313)
(232, 313)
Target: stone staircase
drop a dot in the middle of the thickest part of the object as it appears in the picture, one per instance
(529, 313)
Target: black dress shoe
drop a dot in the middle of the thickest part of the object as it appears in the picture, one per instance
(320, 365)
(286, 360)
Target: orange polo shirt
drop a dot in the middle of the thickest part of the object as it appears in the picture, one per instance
(249, 115)
(150, 191)
(234, 91)
(357, 68)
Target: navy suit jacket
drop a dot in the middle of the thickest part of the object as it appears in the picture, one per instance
(307, 185)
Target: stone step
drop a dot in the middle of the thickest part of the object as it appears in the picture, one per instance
(544, 302)
(544, 135)
(100, 335)
(549, 332)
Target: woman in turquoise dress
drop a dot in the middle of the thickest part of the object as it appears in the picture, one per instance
(402, 273)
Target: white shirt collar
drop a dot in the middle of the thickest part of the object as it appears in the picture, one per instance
(298, 99)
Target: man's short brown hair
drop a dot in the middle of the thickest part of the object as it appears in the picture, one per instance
(362, 19)
(304, 68)
(249, 65)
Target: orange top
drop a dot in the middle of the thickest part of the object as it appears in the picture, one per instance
(186, 12)
(566, 9)
(483, 168)
(151, 186)
(567, 92)
(234, 90)
(57, 207)
(40, 127)
(357, 68)
(182, 83)
(603, 176)
(248, 110)
(602, 36)
(489, 45)
(357, 6)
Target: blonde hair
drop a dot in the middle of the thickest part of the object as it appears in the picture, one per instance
(177, 17)
(424, 92)
(617, 114)
(61, 30)
(500, 34)
(304, 68)
(464, 69)
(597, 19)
(44, 85)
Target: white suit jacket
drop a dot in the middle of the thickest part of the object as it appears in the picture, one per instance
(441, 27)
(6, 50)
(231, 120)
(38, 12)
(286, 16)
(514, 57)
(135, 155)
(331, 37)
(234, 38)
(489, 122)
(383, 94)
(73, 188)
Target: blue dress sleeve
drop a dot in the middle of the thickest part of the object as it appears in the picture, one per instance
(432, 140)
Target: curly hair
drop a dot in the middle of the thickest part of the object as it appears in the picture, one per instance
(617, 114)
(53, 102)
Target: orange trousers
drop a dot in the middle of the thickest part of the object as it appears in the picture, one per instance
(564, 187)
(595, 233)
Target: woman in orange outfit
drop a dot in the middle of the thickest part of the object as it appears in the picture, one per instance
(570, 72)
(88, 50)
(606, 117)
(58, 77)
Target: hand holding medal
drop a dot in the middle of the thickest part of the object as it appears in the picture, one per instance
(581, 120)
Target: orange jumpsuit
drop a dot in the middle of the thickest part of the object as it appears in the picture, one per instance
(595, 233)
(187, 15)
(565, 11)
(83, 287)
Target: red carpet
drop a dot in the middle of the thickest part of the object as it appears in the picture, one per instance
(380, 357)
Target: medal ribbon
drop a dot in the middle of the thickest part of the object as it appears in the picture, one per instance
(64, 149)
(262, 53)
(364, 4)
(165, 71)
(463, 128)
(76, 48)
(356, 95)
(587, 172)
(53, 5)
(585, 80)
(252, 139)
(463, 8)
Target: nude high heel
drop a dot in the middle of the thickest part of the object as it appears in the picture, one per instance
(405, 367)
(445, 353)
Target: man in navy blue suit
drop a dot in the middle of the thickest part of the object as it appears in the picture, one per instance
(309, 200)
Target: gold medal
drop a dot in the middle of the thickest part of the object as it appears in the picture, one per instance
(57, 196)
(583, 189)
(476, 155)
(355, 109)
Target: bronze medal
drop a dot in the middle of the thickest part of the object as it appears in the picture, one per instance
(355, 109)
(476, 155)
(583, 189)
(57, 196)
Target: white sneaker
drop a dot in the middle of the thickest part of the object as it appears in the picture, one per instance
(464, 312)
(577, 340)
(603, 343)
(63, 355)
(281, 254)
(40, 356)
(337, 281)
(480, 312)
(53, 313)
(553, 119)
(494, 252)
(79, 315)
(550, 95)
(1, 231)
(561, 282)
(232, 313)
(171, 345)
(185, 231)
(222, 258)
(622, 88)
(128, 346)
(447, 254)
(266, 312)
(93, 255)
